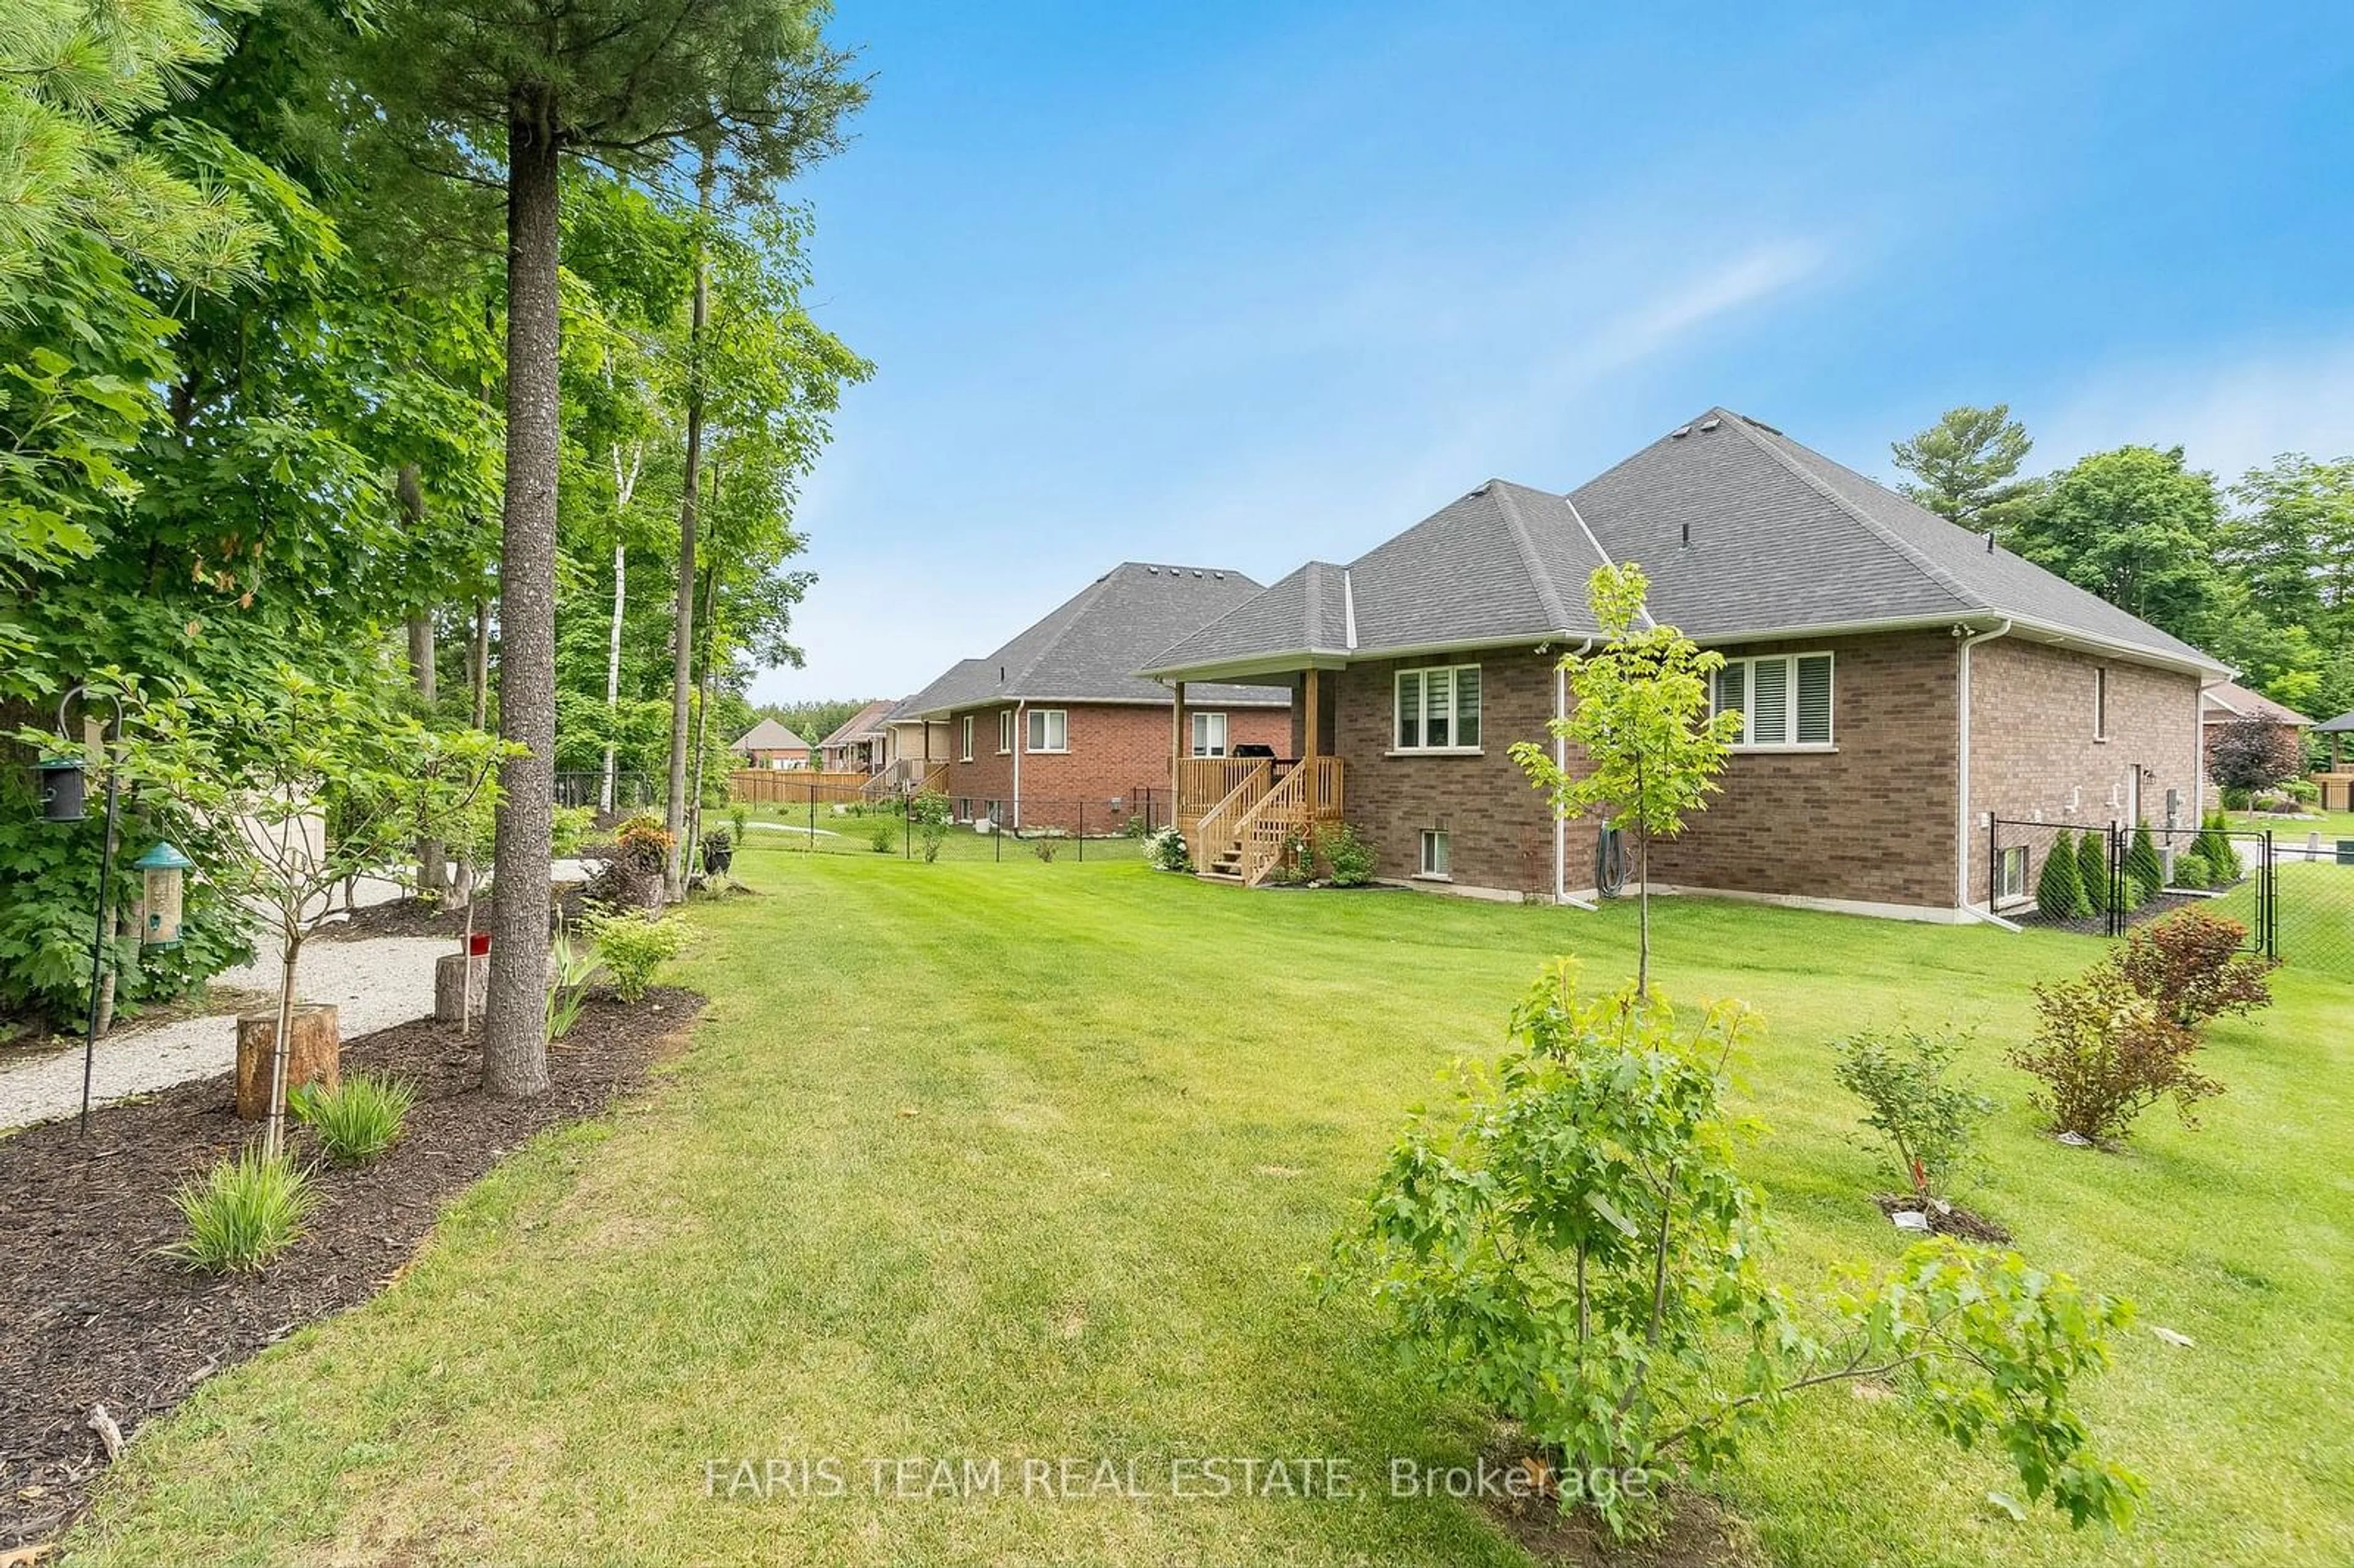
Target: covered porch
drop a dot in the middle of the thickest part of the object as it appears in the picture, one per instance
(1237, 812)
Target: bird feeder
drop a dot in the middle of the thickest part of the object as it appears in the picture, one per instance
(62, 789)
(164, 867)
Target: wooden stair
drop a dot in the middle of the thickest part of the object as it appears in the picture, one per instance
(1226, 867)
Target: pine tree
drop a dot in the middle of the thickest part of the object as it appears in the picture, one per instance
(2093, 869)
(2060, 891)
(2145, 871)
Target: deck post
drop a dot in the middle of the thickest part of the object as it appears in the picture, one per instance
(1176, 752)
(1308, 743)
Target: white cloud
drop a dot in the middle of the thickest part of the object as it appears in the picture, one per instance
(2229, 413)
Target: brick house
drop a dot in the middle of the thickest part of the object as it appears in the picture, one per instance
(1901, 678)
(1056, 729)
(770, 745)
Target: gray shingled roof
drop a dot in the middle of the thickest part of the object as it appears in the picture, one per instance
(1784, 539)
(1088, 649)
(1502, 563)
(865, 723)
(1742, 531)
(2233, 701)
(769, 735)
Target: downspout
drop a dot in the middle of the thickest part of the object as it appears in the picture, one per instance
(1560, 764)
(1962, 824)
(1020, 738)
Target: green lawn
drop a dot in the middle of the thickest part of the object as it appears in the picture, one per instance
(2291, 830)
(1027, 1159)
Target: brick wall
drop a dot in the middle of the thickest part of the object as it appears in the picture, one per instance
(1499, 832)
(1115, 750)
(1872, 821)
(2034, 757)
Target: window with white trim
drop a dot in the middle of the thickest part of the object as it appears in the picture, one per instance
(1785, 699)
(1437, 708)
(967, 755)
(2011, 874)
(2100, 702)
(1433, 852)
(1050, 729)
(1005, 731)
(1208, 733)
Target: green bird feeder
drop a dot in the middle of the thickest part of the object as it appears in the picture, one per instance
(63, 790)
(166, 868)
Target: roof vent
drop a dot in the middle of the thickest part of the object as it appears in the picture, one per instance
(1686, 536)
(1679, 432)
(1990, 541)
(1710, 424)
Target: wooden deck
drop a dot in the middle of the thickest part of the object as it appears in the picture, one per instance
(1237, 812)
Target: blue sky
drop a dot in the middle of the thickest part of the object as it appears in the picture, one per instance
(1241, 284)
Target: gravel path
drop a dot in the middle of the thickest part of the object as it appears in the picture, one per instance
(373, 983)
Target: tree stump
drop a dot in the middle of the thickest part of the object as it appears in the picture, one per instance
(314, 1055)
(450, 991)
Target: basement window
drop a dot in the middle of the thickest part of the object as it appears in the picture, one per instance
(1784, 699)
(1438, 708)
(2011, 874)
(1433, 852)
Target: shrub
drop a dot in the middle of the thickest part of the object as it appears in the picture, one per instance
(2304, 791)
(740, 819)
(2145, 873)
(1167, 851)
(883, 837)
(2060, 891)
(2215, 845)
(2104, 1054)
(1295, 861)
(2093, 867)
(1575, 1249)
(1045, 848)
(1136, 827)
(634, 874)
(356, 1120)
(246, 1211)
(929, 807)
(568, 827)
(2190, 870)
(1349, 856)
(1904, 1079)
(576, 968)
(2190, 967)
(932, 834)
(632, 947)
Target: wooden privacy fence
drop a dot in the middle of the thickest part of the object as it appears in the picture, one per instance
(796, 787)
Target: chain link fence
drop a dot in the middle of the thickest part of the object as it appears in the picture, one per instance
(2292, 893)
(827, 815)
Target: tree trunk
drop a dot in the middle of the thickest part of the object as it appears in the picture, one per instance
(480, 671)
(703, 701)
(681, 664)
(314, 1055)
(614, 672)
(515, 1014)
(432, 871)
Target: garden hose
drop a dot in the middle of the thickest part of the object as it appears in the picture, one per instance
(1609, 863)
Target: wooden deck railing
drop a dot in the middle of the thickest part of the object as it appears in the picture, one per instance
(1204, 781)
(1218, 823)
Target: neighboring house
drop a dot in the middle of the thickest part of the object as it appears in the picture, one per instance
(1056, 725)
(915, 749)
(2229, 702)
(2336, 782)
(1901, 678)
(770, 745)
(856, 745)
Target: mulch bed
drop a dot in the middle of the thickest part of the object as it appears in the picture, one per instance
(1952, 1220)
(2098, 924)
(1692, 1530)
(425, 918)
(97, 1315)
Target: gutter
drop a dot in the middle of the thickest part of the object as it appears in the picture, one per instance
(1561, 761)
(1962, 793)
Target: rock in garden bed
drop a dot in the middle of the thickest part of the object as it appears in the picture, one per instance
(97, 1315)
